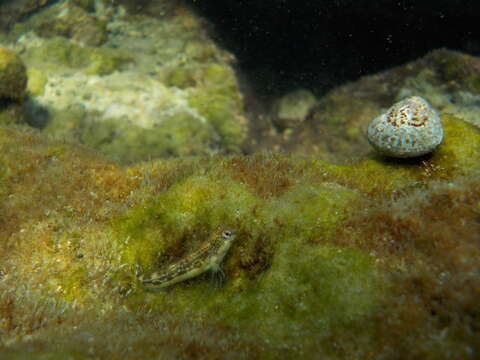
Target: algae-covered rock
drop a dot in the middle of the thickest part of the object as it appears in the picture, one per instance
(13, 75)
(219, 101)
(292, 109)
(12, 113)
(155, 87)
(336, 127)
(87, 5)
(59, 52)
(162, 126)
(178, 135)
(75, 23)
(330, 261)
(13, 82)
(13, 10)
(36, 82)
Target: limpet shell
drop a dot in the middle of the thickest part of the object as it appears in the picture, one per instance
(409, 128)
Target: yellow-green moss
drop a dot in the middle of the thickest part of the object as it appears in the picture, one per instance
(182, 216)
(308, 293)
(36, 81)
(48, 355)
(179, 135)
(218, 99)
(12, 113)
(307, 211)
(179, 76)
(59, 51)
(104, 62)
(326, 262)
(75, 23)
(462, 68)
(315, 288)
(13, 75)
(457, 155)
(338, 285)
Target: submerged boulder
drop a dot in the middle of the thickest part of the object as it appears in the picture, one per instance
(154, 87)
(337, 261)
(337, 125)
(13, 75)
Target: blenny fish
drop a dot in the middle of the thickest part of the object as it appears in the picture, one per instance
(207, 258)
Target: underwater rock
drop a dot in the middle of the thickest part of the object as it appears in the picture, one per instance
(58, 55)
(410, 128)
(75, 23)
(87, 5)
(36, 82)
(358, 253)
(14, 10)
(13, 82)
(12, 112)
(157, 87)
(292, 109)
(13, 75)
(335, 129)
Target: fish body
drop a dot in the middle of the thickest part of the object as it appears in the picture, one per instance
(207, 258)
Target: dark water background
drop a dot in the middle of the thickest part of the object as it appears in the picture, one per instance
(318, 44)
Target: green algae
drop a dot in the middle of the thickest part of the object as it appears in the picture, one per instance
(456, 156)
(307, 293)
(178, 135)
(218, 100)
(309, 211)
(315, 288)
(13, 75)
(459, 152)
(37, 80)
(343, 289)
(181, 215)
(76, 23)
(179, 76)
(292, 108)
(458, 67)
(309, 267)
(48, 355)
(11, 113)
(59, 51)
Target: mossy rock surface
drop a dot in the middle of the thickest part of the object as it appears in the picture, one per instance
(292, 108)
(336, 126)
(12, 113)
(59, 51)
(180, 134)
(36, 81)
(219, 100)
(13, 75)
(331, 261)
(75, 23)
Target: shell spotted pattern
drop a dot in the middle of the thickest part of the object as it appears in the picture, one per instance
(409, 128)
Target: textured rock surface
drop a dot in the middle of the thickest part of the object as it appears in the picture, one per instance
(292, 109)
(336, 128)
(13, 10)
(13, 75)
(331, 261)
(147, 88)
(13, 82)
(76, 23)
